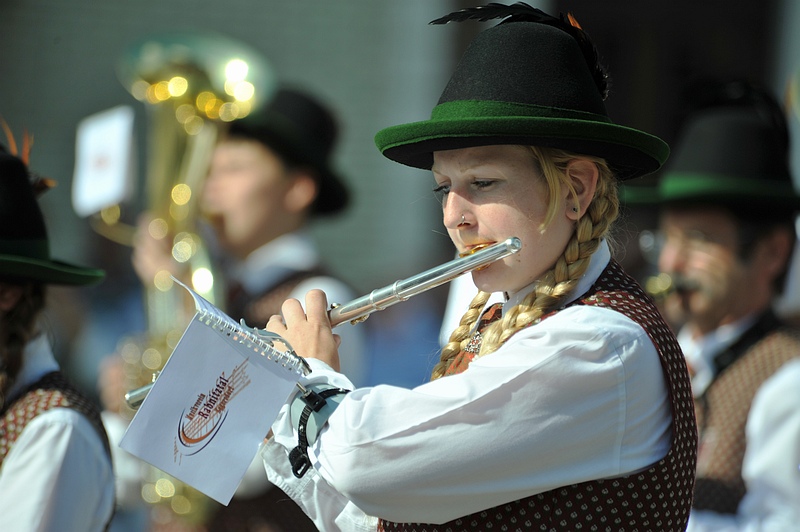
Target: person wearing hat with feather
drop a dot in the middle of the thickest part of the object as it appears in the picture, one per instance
(727, 230)
(55, 461)
(566, 407)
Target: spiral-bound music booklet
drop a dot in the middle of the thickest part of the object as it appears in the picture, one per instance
(213, 402)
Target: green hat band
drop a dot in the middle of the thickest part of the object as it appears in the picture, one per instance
(458, 110)
(35, 248)
(465, 123)
(689, 184)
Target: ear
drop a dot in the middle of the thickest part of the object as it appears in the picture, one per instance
(10, 295)
(774, 251)
(582, 175)
(302, 192)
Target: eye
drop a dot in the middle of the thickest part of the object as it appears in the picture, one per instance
(482, 184)
(689, 239)
(440, 191)
(698, 237)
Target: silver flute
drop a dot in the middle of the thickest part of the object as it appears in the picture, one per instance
(359, 309)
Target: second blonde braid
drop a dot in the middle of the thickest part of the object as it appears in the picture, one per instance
(460, 336)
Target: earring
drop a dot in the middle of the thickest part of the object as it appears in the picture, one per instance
(575, 209)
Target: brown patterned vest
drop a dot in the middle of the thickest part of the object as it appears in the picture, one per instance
(656, 499)
(723, 408)
(51, 391)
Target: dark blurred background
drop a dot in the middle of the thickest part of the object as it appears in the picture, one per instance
(378, 63)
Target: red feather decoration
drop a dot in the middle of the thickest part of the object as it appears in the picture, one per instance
(39, 183)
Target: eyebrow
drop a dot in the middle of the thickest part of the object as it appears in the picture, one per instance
(474, 166)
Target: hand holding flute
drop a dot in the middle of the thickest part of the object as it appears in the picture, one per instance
(324, 343)
(308, 332)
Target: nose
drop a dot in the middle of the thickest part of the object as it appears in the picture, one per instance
(672, 258)
(455, 210)
(208, 186)
(210, 190)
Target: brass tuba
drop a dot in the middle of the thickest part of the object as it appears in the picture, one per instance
(192, 84)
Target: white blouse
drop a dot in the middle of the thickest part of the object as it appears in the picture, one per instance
(579, 396)
(57, 476)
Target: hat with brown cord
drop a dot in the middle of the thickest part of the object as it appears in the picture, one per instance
(24, 246)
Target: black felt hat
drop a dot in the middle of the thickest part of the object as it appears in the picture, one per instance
(732, 152)
(24, 247)
(303, 132)
(533, 79)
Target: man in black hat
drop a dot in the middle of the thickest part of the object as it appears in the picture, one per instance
(271, 174)
(728, 208)
(55, 463)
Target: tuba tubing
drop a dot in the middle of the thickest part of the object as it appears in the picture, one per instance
(359, 309)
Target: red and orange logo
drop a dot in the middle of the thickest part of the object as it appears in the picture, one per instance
(202, 421)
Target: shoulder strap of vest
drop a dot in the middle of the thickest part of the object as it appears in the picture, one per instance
(56, 381)
(766, 323)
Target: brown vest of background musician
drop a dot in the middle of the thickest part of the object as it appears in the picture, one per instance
(656, 499)
(723, 408)
(51, 391)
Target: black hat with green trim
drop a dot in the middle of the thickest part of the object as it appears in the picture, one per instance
(532, 79)
(24, 247)
(303, 131)
(732, 152)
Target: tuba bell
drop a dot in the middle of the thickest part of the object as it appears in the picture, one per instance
(192, 84)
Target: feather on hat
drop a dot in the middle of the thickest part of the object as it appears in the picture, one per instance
(24, 246)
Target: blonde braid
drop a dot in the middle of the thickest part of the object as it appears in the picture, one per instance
(461, 335)
(559, 281)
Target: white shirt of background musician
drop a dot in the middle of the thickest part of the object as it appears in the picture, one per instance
(295, 252)
(57, 475)
(771, 464)
(700, 352)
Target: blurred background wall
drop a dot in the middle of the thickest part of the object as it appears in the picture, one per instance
(378, 63)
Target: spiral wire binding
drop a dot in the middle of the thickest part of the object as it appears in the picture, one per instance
(260, 341)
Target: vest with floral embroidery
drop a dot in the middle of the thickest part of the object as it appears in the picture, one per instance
(658, 498)
(51, 391)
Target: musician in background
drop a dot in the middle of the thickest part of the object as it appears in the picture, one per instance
(271, 175)
(727, 231)
(565, 407)
(55, 461)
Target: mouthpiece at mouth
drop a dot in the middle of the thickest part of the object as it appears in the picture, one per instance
(474, 250)
(663, 284)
